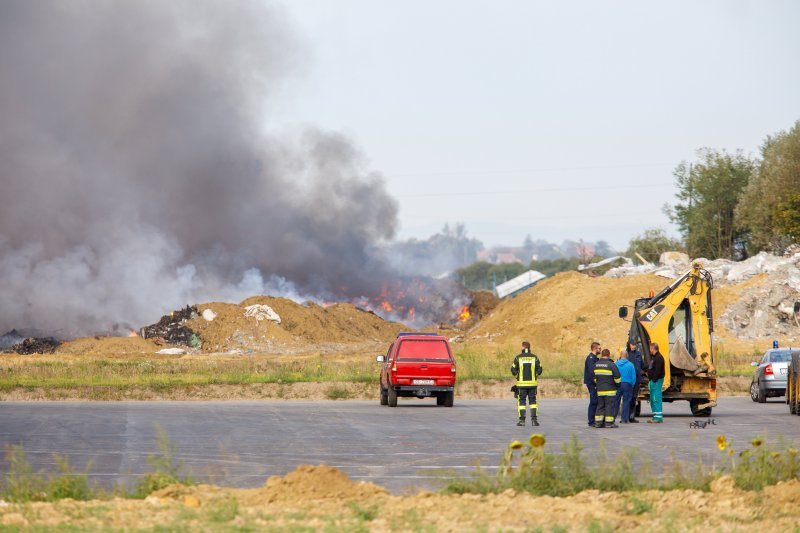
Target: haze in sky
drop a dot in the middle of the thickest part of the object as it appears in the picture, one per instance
(562, 120)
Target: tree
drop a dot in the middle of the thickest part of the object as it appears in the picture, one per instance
(651, 244)
(708, 193)
(777, 180)
(787, 218)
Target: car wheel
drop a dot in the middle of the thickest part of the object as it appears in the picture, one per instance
(706, 411)
(384, 397)
(440, 399)
(391, 397)
(761, 394)
(449, 397)
(754, 391)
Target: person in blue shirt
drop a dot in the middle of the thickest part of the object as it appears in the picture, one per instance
(627, 373)
(635, 357)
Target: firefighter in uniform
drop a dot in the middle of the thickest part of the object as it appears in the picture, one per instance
(606, 379)
(526, 369)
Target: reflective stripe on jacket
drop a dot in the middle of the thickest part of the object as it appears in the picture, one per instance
(526, 369)
(606, 377)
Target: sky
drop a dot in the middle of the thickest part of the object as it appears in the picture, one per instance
(558, 120)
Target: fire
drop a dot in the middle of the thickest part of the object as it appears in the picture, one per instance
(411, 313)
(463, 316)
(386, 306)
(133, 333)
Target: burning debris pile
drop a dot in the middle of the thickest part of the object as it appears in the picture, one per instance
(33, 345)
(16, 342)
(172, 328)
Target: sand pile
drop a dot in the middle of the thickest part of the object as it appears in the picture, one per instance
(301, 327)
(564, 313)
(308, 482)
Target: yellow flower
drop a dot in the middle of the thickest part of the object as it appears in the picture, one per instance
(792, 451)
(515, 445)
(756, 442)
(722, 442)
(537, 440)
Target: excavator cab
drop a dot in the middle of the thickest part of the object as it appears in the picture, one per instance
(680, 320)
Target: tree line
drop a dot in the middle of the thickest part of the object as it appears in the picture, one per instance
(733, 206)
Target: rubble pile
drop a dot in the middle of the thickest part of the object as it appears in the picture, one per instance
(724, 271)
(33, 345)
(172, 328)
(765, 287)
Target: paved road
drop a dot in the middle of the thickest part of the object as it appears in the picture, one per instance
(242, 443)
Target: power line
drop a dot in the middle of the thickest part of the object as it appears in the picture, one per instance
(536, 191)
(526, 171)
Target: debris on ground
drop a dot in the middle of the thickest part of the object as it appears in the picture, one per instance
(262, 312)
(209, 315)
(172, 328)
(171, 351)
(33, 345)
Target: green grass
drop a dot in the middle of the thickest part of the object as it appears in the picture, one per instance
(528, 467)
(101, 378)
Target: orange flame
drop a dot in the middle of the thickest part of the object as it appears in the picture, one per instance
(386, 306)
(411, 313)
(133, 333)
(463, 316)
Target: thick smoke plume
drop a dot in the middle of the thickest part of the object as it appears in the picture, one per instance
(137, 175)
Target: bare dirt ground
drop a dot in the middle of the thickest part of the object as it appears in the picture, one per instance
(322, 498)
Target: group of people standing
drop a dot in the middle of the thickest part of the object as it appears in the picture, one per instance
(614, 385)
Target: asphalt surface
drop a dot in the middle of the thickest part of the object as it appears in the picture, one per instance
(404, 448)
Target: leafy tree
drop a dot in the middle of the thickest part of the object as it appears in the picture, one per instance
(482, 275)
(549, 267)
(651, 244)
(708, 193)
(762, 214)
(787, 218)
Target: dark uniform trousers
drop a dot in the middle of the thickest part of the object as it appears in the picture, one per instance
(528, 393)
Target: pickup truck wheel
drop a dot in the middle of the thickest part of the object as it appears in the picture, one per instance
(384, 397)
(449, 398)
(699, 412)
(440, 399)
(391, 397)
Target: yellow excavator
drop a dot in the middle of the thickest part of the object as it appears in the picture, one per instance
(679, 319)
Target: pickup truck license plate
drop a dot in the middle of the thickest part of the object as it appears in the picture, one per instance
(423, 382)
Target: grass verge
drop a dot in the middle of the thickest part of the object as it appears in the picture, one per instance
(528, 467)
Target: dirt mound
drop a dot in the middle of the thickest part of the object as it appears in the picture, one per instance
(314, 483)
(301, 327)
(564, 313)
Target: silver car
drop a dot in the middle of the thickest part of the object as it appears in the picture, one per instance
(770, 375)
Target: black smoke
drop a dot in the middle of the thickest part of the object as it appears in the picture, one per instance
(137, 172)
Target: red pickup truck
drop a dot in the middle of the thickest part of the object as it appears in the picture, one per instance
(421, 365)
